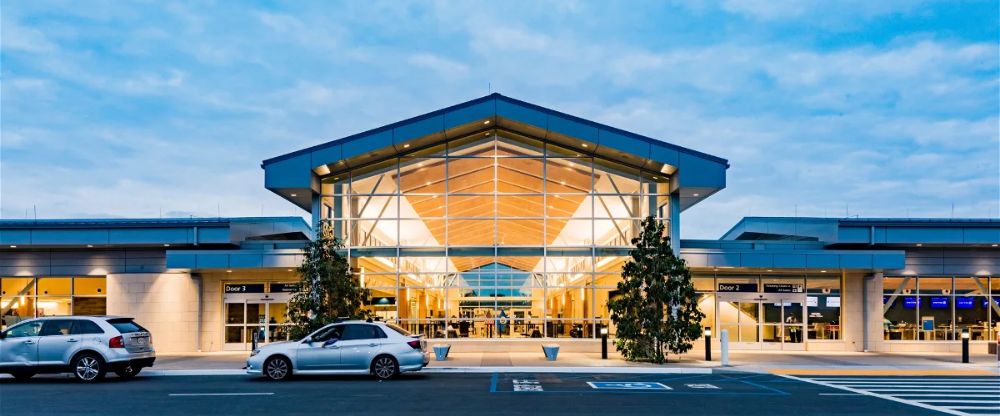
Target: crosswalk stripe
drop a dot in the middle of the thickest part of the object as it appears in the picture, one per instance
(874, 394)
(996, 402)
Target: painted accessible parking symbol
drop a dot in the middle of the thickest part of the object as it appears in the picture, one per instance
(626, 385)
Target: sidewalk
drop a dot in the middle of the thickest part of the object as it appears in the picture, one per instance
(783, 362)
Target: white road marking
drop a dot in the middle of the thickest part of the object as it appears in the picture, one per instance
(881, 396)
(840, 394)
(219, 394)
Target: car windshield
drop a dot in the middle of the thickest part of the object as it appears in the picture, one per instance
(125, 325)
(401, 331)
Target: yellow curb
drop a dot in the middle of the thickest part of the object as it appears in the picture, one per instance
(879, 372)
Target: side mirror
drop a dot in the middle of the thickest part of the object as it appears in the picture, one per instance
(330, 342)
(3, 334)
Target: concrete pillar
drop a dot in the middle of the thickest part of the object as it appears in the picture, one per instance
(164, 303)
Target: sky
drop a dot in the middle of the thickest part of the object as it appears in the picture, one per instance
(823, 108)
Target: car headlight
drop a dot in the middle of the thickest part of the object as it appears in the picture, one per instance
(255, 352)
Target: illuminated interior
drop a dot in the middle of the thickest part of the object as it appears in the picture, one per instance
(492, 234)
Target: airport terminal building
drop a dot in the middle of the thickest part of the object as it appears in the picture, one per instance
(497, 223)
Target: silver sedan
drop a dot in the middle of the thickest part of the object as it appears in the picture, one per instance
(351, 347)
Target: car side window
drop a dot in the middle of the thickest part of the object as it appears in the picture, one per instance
(30, 329)
(82, 327)
(57, 327)
(358, 331)
(333, 332)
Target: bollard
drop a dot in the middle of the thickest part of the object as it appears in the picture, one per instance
(965, 345)
(725, 347)
(604, 343)
(708, 343)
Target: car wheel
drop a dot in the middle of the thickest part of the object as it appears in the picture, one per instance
(385, 367)
(128, 371)
(24, 375)
(89, 368)
(278, 368)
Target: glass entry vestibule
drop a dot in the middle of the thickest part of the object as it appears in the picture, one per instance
(763, 321)
(250, 308)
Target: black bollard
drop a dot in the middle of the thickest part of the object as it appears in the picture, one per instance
(708, 343)
(604, 343)
(965, 345)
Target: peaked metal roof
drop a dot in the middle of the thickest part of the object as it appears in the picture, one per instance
(295, 176)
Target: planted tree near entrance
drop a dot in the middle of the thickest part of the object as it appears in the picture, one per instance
(656, 308)
(327, 290)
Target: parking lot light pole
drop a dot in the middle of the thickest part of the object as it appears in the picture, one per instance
(604, 343)
(965, 345)
(708, 343)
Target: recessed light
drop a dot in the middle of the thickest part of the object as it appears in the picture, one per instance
(294, 195)
(584, 144)
(486, 122)
(486, 134)
(229, 271)
(289, 269)
(822, 271)
(406, 146)
(920, 244)
(697, 194)
(770, 270)
(995, 245)
(166, 245)
(336, 179)
(90, 246)
(13, 246)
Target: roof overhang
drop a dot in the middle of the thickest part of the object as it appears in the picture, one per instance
(296, 176)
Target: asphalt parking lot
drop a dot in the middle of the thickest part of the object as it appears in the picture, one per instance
(720, 393)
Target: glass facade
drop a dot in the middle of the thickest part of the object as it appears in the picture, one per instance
(786, 308)
(29, 297)
(939, 308)
(492, 235)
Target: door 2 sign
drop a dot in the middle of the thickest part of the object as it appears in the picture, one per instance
(626, 385)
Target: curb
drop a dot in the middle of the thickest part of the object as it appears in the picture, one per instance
(465, 370)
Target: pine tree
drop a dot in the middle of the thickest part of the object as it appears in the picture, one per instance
(656, 308)
(327, 290)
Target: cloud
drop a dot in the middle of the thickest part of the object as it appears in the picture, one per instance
(850, 108)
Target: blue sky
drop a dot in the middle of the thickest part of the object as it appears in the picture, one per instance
(142, 109)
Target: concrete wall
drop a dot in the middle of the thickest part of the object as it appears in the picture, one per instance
(164, 303)
(212, 313)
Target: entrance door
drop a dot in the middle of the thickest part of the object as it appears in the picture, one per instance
(247, 315)
(783, 327)
(740, 315)
(758, 322)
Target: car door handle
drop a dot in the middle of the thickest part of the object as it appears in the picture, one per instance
(71, 340)
(29, 342)
(332, 347)
(372, 344)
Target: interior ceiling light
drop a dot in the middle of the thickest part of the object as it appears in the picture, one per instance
(166, 245)
(697, 194)
(13, 246)
(584, 144)
(294, 195)
(90, 246)
(920, 244)
(406, 146)
(486, 122)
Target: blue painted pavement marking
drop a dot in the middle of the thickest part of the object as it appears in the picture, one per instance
(627, 385)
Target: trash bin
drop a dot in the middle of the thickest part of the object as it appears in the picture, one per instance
(441, 351)
(551, 351)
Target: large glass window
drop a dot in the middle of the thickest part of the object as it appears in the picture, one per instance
(939, 308)
(491, 235)
(27, 297)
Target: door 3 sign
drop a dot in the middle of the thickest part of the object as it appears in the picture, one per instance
(626, 385)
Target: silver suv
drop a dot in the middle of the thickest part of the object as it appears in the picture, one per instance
(351, 347)
(87, 346)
